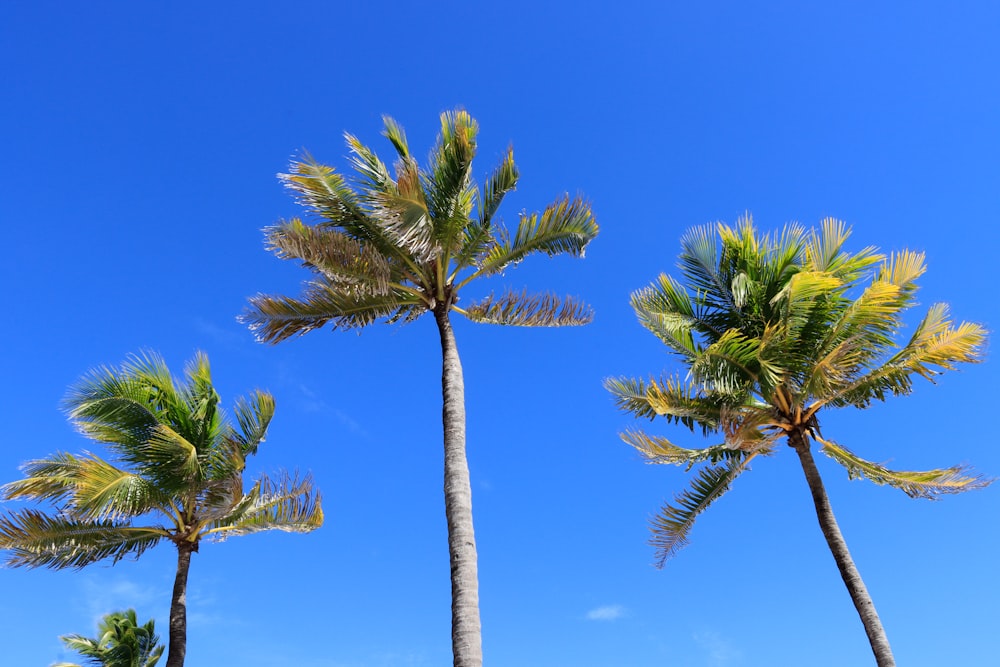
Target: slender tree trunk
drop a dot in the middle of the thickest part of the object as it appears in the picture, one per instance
(799, 441)
(466, 629)
(177, 643)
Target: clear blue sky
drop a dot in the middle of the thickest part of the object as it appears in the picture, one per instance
(139, 153)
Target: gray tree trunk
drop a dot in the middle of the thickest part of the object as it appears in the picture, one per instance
(799, 441)
(177, 642)
(466, 629)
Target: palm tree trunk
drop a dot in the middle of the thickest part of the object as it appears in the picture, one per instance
(466, 629)
(177, 643)
(799, 441)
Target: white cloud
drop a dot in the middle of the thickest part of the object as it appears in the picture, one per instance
(606, 613)
(720, 652)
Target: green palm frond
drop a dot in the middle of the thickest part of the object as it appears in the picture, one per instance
(730, 364)
(524, 310)
(916, 484)
(111, 407)
(698, 263)
(824, 252)
(657, 449)
(288, 503)
(170, 458)
(448, 182)
(937, 345)
(566, 226)
(394, 133)
(631, 395)
(406, 220)
(323, 191)
(253, 415)
(502, 181)
(370, 167)
(54, 478)
(341, 259)
(685, 403)
(103, 491)
(34, 539)
(667, 311)
(671, 527)
(276, 318)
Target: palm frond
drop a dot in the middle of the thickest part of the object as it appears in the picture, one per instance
(825, 253)
(276, 318)
(253, 415)
(320, 189)
(671, 527)
(448, 183)
(936, 345)
(700, 265)
(289, 504)
(498, 184)
(370, 167)
(524, 310)
(916, 484)
(33, 539)
(666, 309)
(103, 491)
(685, 403)
(657, 449)
(394, 133)
(404, 214)
(566, 226)
(111, 407)
(53, 479)
(340, 258)
(730, 364)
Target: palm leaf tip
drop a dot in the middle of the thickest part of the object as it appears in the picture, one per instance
(928, 484)
(524, 310)
(671, 527)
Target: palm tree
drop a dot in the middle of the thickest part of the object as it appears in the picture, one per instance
(396, 246)
(772, 330)
(175, 474)
(121, 642)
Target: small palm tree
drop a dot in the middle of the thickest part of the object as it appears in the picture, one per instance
(772, 330)
(121, 642)
(175, 474)
(396, 246)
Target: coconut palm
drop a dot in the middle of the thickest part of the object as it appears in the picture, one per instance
(175, 473)
(772, 330)
(393, 246)
(121, 642)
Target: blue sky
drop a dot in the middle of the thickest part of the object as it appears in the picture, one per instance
(140, 147)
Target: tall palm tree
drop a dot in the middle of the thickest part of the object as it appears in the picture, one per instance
(121, 642)
(393, 246)
(175, 474)
(772, 330)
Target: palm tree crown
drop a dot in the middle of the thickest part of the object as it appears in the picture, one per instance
(175, 473)
(398, 245)
(772, 329)
(121, 642)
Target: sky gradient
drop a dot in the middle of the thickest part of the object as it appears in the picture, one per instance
(141, 144)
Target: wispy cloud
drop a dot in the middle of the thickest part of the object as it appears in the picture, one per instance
(311, 402)
(219, 334)
(609, 612)
(103, 596)
(720, 651)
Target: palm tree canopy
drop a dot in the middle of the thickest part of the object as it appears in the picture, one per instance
(772, 328)
(121, 642)
(174, 471)
(394, 245)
